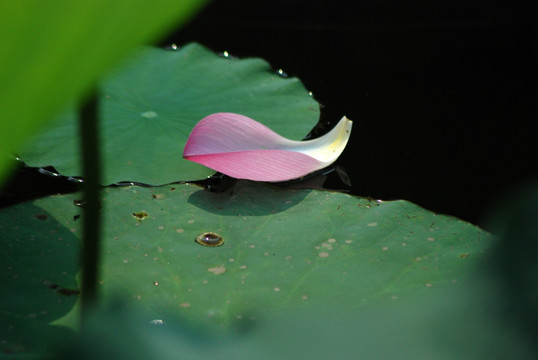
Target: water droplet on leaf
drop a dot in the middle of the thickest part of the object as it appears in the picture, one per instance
(209, 239)
(79, 203)
(140, 215)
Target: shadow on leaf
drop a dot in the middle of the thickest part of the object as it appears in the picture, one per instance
(261, 199)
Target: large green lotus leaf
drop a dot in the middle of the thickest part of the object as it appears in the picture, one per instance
(53, 52)
(39, 262)
(150, 106)
(283, 249)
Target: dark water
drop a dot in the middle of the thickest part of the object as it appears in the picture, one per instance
(443, 93)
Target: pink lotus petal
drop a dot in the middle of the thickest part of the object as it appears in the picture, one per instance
(260, 165)
(243, 148)
(227, 132)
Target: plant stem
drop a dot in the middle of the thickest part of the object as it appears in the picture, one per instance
(89, 137)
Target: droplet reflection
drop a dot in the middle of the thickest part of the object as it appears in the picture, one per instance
(209, 239)
(140, 215)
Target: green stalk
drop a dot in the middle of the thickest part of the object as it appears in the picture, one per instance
(89, 136)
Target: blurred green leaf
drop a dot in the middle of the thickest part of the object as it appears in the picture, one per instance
(460, 323)
(37, 278)
(150, 106)
(52, 52)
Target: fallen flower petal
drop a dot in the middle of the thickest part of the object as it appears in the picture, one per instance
(243, 148)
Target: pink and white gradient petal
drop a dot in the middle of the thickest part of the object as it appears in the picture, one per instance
(243, 148)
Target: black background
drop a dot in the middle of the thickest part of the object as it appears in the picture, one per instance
(442, 93)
